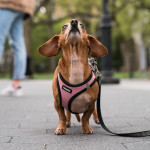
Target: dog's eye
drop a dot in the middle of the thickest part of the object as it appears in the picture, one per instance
(81, 25)
(64, 27)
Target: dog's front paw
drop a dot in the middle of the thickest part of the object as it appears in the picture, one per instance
(60, 131)
(86, 129)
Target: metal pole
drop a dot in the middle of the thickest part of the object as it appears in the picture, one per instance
(105, 27)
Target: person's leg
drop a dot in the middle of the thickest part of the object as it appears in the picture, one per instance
(6, 19)
(19, 49)
(11, 22)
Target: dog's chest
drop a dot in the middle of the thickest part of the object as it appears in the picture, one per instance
(80, 103)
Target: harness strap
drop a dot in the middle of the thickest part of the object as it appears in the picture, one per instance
(68, 92)
(73, 97)
(134, 134)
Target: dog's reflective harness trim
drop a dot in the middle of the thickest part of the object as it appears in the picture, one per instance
(68, 92)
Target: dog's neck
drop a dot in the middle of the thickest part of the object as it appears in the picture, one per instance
(76, 68)
(74, 64)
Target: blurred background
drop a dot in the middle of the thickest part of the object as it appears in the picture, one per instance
(130, 35)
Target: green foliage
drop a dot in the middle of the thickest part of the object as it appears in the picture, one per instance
(79, 5)
(57, 26)
(124, 21)
(132, 17)
(137, 75)
(39, 37)
(120, 75)
(117, 55)
(129, 17)
(43, 76)
(4, 76)
(84, 5)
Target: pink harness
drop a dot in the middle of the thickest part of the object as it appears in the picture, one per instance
(68, 92)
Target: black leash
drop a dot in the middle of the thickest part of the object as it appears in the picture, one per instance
(135, 134)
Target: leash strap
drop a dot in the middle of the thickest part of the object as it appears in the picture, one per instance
(134, 134)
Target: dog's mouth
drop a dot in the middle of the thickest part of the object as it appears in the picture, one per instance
(74, 35)
(74, 31)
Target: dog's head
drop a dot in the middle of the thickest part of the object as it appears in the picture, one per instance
(73, 34)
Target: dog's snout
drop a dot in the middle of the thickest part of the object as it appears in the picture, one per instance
(74, 23)
(74, 35)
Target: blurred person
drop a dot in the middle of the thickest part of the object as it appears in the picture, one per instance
(12, 14)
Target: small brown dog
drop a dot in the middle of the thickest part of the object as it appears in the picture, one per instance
(73, 73)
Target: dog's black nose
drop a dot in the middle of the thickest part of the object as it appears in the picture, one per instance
(74, 23)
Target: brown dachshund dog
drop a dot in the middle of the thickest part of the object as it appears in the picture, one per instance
(75, 45)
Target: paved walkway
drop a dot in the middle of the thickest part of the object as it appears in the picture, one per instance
(29, 122)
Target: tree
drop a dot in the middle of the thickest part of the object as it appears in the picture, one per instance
(117, 55)
(127, 19)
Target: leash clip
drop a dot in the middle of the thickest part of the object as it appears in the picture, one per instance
(100, 79)
(87, 86)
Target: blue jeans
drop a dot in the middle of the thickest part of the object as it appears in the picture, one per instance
(11, 24)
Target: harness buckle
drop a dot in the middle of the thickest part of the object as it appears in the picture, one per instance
(87, 86)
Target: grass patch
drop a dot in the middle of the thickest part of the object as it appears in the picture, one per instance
(35, 76)
(43, 76)
(136, 75)
(4, 76)
(119, 75)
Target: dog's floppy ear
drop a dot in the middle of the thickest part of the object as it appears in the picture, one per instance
(96, 49)
(51, 47)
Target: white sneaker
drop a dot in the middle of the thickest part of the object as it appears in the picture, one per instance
(11, 91)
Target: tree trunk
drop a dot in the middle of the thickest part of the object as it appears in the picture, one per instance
(140, 51)
(50, 11)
